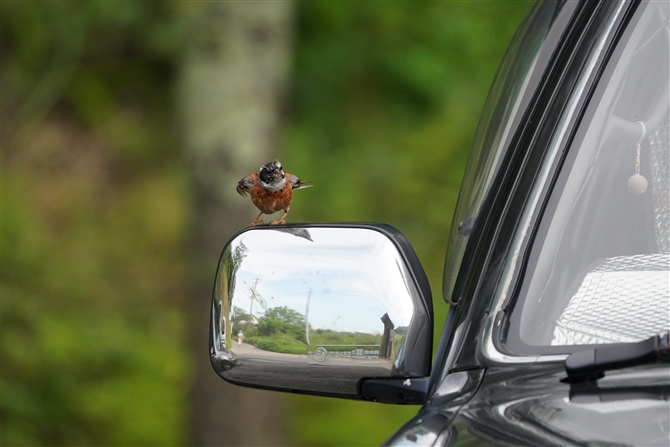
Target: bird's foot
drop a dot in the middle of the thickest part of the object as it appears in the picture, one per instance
(278, 222)
(255, 222)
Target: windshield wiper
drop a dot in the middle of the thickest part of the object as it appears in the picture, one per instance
(591, 364)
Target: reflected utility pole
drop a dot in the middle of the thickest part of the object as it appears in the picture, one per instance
(309, 297)
(251, 306)
(255, 296)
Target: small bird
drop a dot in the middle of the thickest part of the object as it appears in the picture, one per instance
(271, 190)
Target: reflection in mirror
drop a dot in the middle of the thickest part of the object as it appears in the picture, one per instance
(316, 309)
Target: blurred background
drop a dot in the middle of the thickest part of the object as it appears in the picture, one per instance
(125, 128)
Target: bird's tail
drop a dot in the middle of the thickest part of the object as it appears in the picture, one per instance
(305, 184)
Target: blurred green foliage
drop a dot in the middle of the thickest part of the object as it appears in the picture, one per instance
(386, 99)
(95, 202)
(95, 219)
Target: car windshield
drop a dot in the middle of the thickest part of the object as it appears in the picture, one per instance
(598, 267)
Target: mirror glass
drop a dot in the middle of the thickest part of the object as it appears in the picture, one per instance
(316, 309)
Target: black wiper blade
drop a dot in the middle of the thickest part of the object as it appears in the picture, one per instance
(591, 364)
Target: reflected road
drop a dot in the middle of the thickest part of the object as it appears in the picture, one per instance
(335, 375)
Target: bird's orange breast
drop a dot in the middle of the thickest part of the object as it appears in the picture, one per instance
(270, 202)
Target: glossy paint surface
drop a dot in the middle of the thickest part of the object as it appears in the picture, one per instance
(531, 406)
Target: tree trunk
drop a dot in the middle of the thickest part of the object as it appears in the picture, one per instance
(232, 85)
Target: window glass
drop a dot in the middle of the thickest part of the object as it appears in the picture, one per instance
(599, 267)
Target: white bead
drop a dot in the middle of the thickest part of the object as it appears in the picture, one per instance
(637, 184)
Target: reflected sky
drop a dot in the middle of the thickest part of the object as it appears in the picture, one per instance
(349, 278)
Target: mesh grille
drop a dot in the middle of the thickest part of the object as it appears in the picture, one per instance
(625, 299)
(659, 154)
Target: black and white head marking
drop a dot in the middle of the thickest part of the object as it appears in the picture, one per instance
(272, 176)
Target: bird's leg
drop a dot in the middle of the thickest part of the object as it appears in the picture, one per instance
(281, 219)
(257, 220)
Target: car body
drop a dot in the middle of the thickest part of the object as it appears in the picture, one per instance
(558, 262)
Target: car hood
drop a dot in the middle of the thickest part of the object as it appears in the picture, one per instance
(531, 406)
(523, 407)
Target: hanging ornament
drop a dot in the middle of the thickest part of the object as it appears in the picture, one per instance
(637, 184)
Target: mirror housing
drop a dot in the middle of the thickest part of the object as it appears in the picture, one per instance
(329, 309)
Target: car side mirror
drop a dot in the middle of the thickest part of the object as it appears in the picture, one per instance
(340, 310)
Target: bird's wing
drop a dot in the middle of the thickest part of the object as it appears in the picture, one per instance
(244, 185)
(296, 183)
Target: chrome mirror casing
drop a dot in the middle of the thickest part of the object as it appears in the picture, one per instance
(318, 308)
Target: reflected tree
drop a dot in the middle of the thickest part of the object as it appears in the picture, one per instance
(282, 320)
(280, 330)
(240, 316)
(231, 264)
